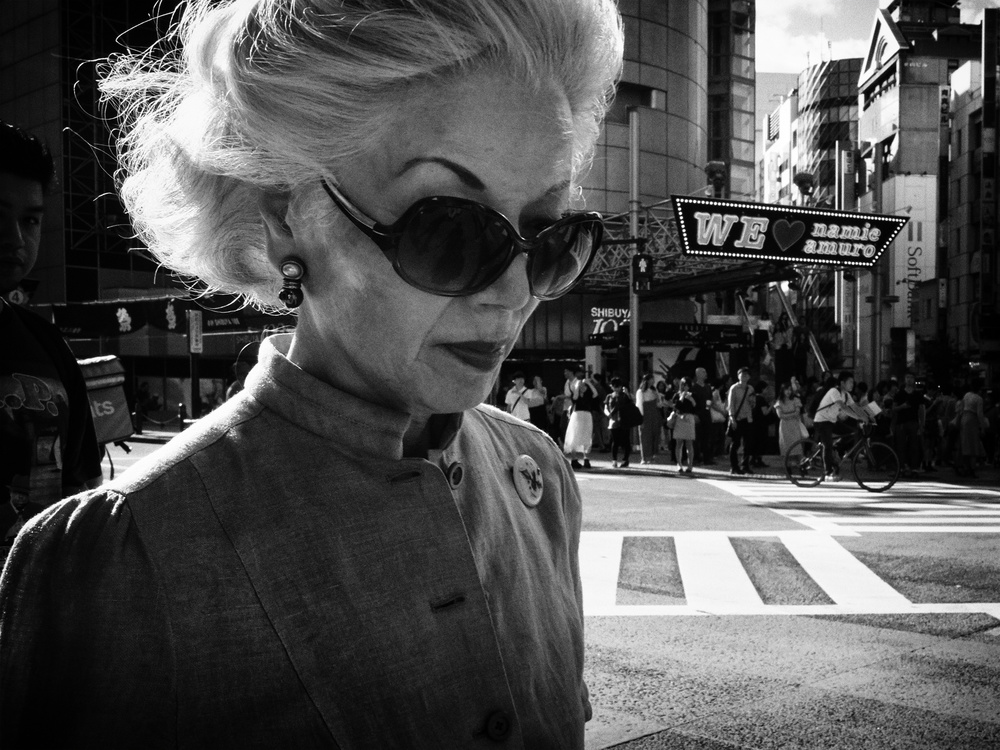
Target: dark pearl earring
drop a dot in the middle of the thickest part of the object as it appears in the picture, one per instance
(292, 271)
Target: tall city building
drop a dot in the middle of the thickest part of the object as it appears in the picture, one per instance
(914, 48)
(961, 310)
(731, 94)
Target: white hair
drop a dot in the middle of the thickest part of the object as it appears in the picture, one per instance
(246, 96)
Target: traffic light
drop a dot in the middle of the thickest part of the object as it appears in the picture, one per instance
(642, 272)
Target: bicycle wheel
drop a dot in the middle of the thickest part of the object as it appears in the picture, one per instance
(875, 467)
(804, 462)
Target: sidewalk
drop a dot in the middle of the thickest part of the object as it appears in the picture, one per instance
(600, 461)
(988, 476)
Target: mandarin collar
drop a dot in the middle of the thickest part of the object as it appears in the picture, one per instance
(358, 426)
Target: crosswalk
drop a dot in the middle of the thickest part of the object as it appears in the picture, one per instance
(709, 577)
(844, 509)
(799, 572)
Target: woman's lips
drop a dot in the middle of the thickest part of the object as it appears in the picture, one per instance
(482, 355)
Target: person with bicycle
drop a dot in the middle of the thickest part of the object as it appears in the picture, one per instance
(831, 421)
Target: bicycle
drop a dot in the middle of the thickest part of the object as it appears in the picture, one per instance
(874, 464)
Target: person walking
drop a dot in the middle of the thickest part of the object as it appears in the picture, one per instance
(908, 412)
(763, 407)
(647, 398)
(739, 405)
(685, 416)
(701, 391)
(791, 428)
(972, 422)
(48, 443)
(520, 399)
(717, 415)
(580, 431)
(539, 409)
(621, 438)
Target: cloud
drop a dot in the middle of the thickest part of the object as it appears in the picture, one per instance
(972, 10)
(790, 34)
(779, 51)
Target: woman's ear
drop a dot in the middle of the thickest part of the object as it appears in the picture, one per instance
(274, 211)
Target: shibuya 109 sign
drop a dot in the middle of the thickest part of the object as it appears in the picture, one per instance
(758, 231)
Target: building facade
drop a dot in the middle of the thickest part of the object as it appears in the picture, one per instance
(731, 93)
(914, 49)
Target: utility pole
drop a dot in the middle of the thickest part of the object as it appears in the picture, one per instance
(989, 276)
(634, 206)
(879, 154)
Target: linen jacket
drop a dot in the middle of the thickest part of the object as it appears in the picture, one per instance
(281, 576)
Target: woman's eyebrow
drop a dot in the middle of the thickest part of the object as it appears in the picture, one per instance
(468, 178)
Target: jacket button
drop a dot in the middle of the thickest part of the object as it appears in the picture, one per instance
(455, 474)
(498, 726)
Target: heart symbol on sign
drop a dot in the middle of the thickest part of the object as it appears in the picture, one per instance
(787, 233)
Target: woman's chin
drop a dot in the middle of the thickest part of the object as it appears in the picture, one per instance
(460, 398)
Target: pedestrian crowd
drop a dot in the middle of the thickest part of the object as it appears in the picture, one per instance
(695, 421)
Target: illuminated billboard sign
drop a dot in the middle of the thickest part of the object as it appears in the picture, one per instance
(757, 231)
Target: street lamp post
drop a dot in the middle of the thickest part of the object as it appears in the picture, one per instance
(634, 207)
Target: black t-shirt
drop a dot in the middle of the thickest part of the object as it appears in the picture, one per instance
(908, 406)
(48, 447)
(701, 393)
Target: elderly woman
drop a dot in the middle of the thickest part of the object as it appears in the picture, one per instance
(352, 552)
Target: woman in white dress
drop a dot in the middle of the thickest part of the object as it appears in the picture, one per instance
(788, 407)
(580, 431)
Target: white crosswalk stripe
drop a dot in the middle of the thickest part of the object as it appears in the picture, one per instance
(715, 581)
(844, 509)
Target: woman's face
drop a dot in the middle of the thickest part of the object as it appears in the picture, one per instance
(365, 330)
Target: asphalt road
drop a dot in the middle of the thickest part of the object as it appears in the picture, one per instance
(731, 613)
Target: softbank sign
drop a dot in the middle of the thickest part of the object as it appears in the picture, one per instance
(755, 231)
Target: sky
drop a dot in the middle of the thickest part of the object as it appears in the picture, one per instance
(791, 35)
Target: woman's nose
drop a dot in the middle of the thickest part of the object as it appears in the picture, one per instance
(512, 290)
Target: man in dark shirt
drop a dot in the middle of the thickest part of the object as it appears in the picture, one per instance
(702, 392)
(48, 447)
(908, 420)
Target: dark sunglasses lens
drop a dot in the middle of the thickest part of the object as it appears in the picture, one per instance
(562, 256)
(452, 249)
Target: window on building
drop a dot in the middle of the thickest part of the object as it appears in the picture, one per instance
(975, 133)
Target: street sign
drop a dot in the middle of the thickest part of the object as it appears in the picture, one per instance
(757, 231)
(195, 343)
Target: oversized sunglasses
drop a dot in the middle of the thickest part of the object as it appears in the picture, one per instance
(453, 247)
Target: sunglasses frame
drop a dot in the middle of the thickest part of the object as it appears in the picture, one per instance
(386, 238)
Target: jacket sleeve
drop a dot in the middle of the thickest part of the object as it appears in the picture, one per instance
(86, 658)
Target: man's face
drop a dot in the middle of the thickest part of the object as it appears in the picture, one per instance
(21, 209)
